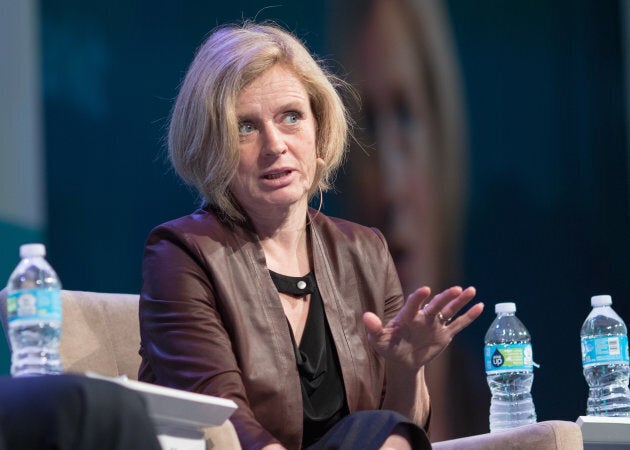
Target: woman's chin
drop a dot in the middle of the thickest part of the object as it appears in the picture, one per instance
(278, 201)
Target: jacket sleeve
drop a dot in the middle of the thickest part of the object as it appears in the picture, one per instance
(393, 301)
(392, 291)
(184, 343)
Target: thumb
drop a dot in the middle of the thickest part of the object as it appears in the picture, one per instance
(373, 323)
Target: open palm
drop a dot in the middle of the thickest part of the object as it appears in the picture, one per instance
(423, 328)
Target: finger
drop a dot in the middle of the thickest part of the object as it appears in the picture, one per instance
(456, 304)
(438, 302)
(413, 304)
(466, 319)
(373, 323)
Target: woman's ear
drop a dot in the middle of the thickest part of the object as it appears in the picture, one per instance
(320, 171)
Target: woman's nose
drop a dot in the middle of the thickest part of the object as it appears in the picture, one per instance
(274, 143)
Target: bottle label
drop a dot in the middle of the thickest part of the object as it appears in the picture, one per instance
(508, 358)
(34, 304)
(604, 349)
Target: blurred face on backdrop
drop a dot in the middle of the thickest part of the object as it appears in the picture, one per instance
(400, 119)
(277, 144)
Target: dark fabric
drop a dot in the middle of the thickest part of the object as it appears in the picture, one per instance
(211, 322)
(323, 396)
(71, 412)
(368, 430)
(296, 286)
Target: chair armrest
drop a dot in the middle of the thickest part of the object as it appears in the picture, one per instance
(548, 435)
(222, 437)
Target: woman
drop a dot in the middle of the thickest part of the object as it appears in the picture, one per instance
(297, 317)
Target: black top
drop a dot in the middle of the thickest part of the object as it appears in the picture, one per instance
(323, 394)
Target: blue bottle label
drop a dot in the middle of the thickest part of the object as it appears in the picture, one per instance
(508, 358)
(34, 304)
(604, 349)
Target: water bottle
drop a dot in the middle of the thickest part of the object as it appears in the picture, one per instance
(34, 314)
(509, 369)
(604, 340)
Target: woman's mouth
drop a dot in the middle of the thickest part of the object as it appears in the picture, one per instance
(276, 175)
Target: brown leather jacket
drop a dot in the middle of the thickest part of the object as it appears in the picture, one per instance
(211, 321)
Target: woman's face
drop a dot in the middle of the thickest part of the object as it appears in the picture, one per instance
(406, 199)
(277, 144)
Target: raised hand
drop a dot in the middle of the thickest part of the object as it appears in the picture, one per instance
(423, 327)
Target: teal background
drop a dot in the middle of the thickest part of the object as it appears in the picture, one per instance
(548, 220)
(110, 72)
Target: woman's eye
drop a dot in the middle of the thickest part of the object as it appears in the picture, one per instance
(245, 128)
(292, 117)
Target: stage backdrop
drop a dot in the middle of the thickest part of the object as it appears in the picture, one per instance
(547, 204)
(548, 217)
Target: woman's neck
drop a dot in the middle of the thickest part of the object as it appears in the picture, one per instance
(283, 238)
(273, 223)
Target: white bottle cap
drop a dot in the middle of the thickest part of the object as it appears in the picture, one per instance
(30, 250)
(508, 307)
(601, 300)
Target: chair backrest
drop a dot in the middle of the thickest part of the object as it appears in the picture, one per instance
(100, 332)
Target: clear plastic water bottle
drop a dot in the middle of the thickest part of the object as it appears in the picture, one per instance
(604, 339)
(509, 369)
(34, 314)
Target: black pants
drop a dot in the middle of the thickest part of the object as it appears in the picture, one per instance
(368, 430)
(65, 412)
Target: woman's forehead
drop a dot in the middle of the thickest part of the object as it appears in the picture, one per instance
(276, 85)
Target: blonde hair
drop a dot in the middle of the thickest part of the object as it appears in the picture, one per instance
(203, 130)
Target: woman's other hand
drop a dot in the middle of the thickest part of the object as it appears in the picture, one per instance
(422, 328)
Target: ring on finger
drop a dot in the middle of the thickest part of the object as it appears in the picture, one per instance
(443, 319)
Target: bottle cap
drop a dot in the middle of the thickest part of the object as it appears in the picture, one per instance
(508, 307)
(30, 250)
(601, 300)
